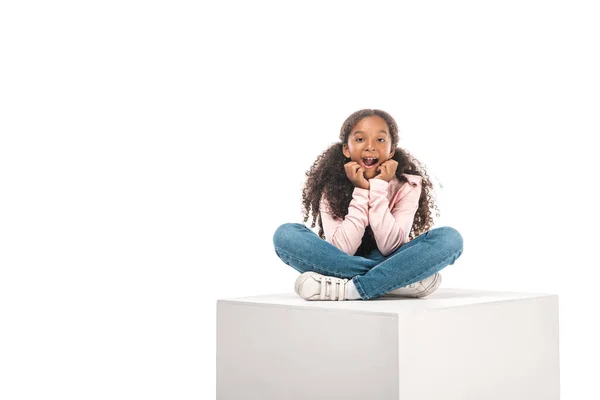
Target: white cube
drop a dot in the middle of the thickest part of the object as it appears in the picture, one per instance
(453, 345)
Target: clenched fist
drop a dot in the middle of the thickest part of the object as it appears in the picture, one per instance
(356, 174)
(387, 170)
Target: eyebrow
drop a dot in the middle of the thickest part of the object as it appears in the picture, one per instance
(381, 131)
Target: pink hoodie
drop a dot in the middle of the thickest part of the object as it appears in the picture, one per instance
(388, 207)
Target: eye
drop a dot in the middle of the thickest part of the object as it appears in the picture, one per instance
(382, 140)
(359, 139)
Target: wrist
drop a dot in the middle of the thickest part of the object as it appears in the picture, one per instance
(360, 192)
(378, 182)
(381, 178)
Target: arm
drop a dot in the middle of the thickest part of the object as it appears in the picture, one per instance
(346, 234)
(391, 228)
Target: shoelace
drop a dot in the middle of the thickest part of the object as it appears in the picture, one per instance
(334, 288)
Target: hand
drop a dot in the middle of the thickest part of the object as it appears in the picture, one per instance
(356, 174)
(387, 170)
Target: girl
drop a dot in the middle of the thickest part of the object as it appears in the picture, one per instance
(372, 201)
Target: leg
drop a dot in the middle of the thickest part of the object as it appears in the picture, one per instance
(422, 257)
(302, 249)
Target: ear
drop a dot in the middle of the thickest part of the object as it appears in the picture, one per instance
(345, 150)
(392, 153)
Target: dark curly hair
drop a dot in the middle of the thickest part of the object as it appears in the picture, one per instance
(327, 177)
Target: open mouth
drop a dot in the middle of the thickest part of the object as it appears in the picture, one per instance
(370, 161)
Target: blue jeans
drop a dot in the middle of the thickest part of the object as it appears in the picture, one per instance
(374, 274)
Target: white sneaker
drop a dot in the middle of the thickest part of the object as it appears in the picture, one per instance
(418, 289)
(314, 286)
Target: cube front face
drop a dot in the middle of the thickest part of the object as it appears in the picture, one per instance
(492, 351)
(269, 352)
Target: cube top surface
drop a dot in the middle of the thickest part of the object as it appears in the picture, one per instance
(440, 299)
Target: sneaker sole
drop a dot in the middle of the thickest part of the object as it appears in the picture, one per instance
(432, 288)
(426, 292)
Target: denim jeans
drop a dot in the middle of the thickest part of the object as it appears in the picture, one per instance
(374, 274)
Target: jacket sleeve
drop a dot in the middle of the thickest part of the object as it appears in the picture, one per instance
(346, 234)
(392, 227)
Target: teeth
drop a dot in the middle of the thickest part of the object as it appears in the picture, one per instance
(370, 161)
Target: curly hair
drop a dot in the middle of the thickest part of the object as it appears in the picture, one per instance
(327, 177)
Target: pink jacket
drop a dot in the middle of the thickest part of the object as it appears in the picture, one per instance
(388, 207)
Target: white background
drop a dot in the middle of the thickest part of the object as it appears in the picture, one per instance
(149, 150)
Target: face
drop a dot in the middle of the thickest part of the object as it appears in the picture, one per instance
(369, 144)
